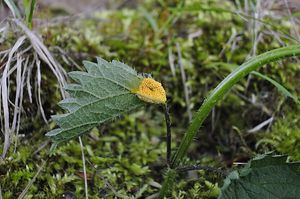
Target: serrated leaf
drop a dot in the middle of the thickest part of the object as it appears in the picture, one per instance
(102, 93)
(264, 177)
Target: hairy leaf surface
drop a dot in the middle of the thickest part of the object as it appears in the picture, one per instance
(264, 177)
(100, 94)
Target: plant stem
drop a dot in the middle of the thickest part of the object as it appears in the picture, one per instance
(30, 14)
(168, 183)
(218, 93)
(169, 135)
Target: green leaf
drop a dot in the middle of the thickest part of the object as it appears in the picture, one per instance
(13, 8)
(102, 93)
(29, 6)
(265, 176)
(280, 88)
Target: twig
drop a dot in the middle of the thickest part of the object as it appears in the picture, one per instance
(32, 180)
(84, 169)
(169, 135)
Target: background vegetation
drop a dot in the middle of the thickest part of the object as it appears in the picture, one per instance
(189, 47)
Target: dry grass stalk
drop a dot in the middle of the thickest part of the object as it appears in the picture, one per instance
(19, 61)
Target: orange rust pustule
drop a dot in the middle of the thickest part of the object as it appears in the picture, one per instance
(151, 91)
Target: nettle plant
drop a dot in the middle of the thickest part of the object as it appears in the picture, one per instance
(110, 89)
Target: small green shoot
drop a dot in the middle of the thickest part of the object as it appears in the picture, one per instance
(13, 8)
(29, 6)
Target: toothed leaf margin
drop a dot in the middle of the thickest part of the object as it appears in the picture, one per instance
(100, 94)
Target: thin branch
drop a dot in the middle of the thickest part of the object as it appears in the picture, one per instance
(84, 169)
(169, 135)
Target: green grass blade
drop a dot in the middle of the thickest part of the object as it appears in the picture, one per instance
(13, 8)
(219, 92)
(280, 87)
(32, 7)
(29, 6)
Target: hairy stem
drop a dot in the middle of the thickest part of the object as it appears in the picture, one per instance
(169, 135)
(168, 183)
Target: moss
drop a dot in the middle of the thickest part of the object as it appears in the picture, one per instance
(127, 157)
(284, 136)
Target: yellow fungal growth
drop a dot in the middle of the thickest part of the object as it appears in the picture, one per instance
(151, 91)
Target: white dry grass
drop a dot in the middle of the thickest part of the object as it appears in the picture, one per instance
(16, 66)
(30, 183)
(261, 18)
(84, 169)
(186, 88)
